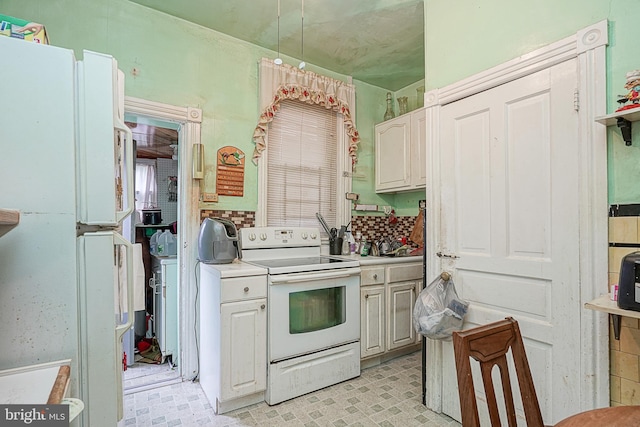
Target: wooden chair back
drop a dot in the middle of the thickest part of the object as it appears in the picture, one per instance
(489, 344)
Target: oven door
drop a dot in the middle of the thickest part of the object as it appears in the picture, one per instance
(312, 311)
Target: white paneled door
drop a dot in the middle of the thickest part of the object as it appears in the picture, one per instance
(509, 224)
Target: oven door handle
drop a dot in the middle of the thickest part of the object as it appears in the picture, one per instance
(296, 278)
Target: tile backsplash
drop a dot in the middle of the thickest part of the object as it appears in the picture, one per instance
(624, 377)
(371, 227)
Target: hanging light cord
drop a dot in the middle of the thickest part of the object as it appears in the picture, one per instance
(278, 61)
(302, 63)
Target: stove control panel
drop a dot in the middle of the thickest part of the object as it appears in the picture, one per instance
(278, 237)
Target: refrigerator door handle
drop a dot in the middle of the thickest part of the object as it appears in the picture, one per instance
(124, 327)
(129, 161)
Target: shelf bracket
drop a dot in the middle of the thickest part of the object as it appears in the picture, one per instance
(616, 326)
(625, 129)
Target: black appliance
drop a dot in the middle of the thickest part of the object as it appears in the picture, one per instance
(629, 282)
(151, 216)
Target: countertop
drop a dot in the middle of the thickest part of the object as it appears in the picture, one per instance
(375, 260)
(242, 269)
(235, 269)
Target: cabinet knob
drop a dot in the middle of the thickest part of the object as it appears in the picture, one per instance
(375, 276)
(263, 306)
(366, 296)
(246, 289)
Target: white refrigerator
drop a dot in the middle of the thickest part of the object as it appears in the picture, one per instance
(65, 155)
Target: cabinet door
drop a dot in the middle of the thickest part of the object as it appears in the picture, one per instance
(393, 154)
(401, 298)
(418, 289)
(243, 348)
(419, 148)
(372, 328)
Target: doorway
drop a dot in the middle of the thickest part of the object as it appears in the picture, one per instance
(569, 283)
(164, 135)
(152, 345)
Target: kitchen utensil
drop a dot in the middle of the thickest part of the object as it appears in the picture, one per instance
(375, 251)
(335, 246)
(383, 247)
(323, 223)
(333, 233)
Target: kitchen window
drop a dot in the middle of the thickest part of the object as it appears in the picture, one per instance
(302, 175)
(306, 143)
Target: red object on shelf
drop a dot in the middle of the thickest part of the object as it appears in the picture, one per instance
(628, 107)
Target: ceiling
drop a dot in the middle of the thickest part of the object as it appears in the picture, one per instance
(153, 142)
(380, 42)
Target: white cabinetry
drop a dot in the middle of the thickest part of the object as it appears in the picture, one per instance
(400, 153)
(233, 339)
(372, 309)
(243, 362)
(388, 294)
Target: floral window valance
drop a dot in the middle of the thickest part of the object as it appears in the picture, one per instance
(281, 82)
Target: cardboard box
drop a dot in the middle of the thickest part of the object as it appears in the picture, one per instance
(21, 29)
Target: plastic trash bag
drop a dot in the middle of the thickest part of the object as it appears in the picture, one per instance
(438, 310)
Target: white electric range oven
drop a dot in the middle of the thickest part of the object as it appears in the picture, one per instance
(313, 310)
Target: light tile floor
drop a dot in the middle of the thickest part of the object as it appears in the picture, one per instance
(387, 395)
(141, 375)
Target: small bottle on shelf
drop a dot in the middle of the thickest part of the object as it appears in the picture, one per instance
(389, 114)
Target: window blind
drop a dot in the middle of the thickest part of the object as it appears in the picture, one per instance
(302, 166)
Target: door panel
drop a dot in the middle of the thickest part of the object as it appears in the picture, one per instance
(509, 212)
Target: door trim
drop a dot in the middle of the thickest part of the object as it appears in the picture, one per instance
(190, 120)
(588, 46)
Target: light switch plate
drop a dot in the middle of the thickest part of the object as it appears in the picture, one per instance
(209, 197)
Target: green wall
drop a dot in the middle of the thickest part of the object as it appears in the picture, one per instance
(172, 61)
(464, 37)
(169, 60)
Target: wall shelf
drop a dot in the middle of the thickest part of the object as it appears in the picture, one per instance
(623, 120)
(9, 218)
(633, 115)
(605, 304)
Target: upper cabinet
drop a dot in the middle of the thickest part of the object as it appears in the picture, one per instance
(400, 146)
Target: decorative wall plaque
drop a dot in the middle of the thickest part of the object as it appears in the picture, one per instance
(230, 172)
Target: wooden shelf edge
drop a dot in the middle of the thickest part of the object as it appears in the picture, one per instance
(9, 217)
(59, 389)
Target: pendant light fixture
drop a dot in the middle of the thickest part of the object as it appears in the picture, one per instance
(278, 60)
(302, 63)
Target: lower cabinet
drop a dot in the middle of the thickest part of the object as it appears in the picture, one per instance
(401, 297)
(372, 334)
(387, 296)
(244, 358)
(233, 339)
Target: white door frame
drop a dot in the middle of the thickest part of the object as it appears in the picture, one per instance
(190, 120)
(588, 46)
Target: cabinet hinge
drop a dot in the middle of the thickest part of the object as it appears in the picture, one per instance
(576, 100)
